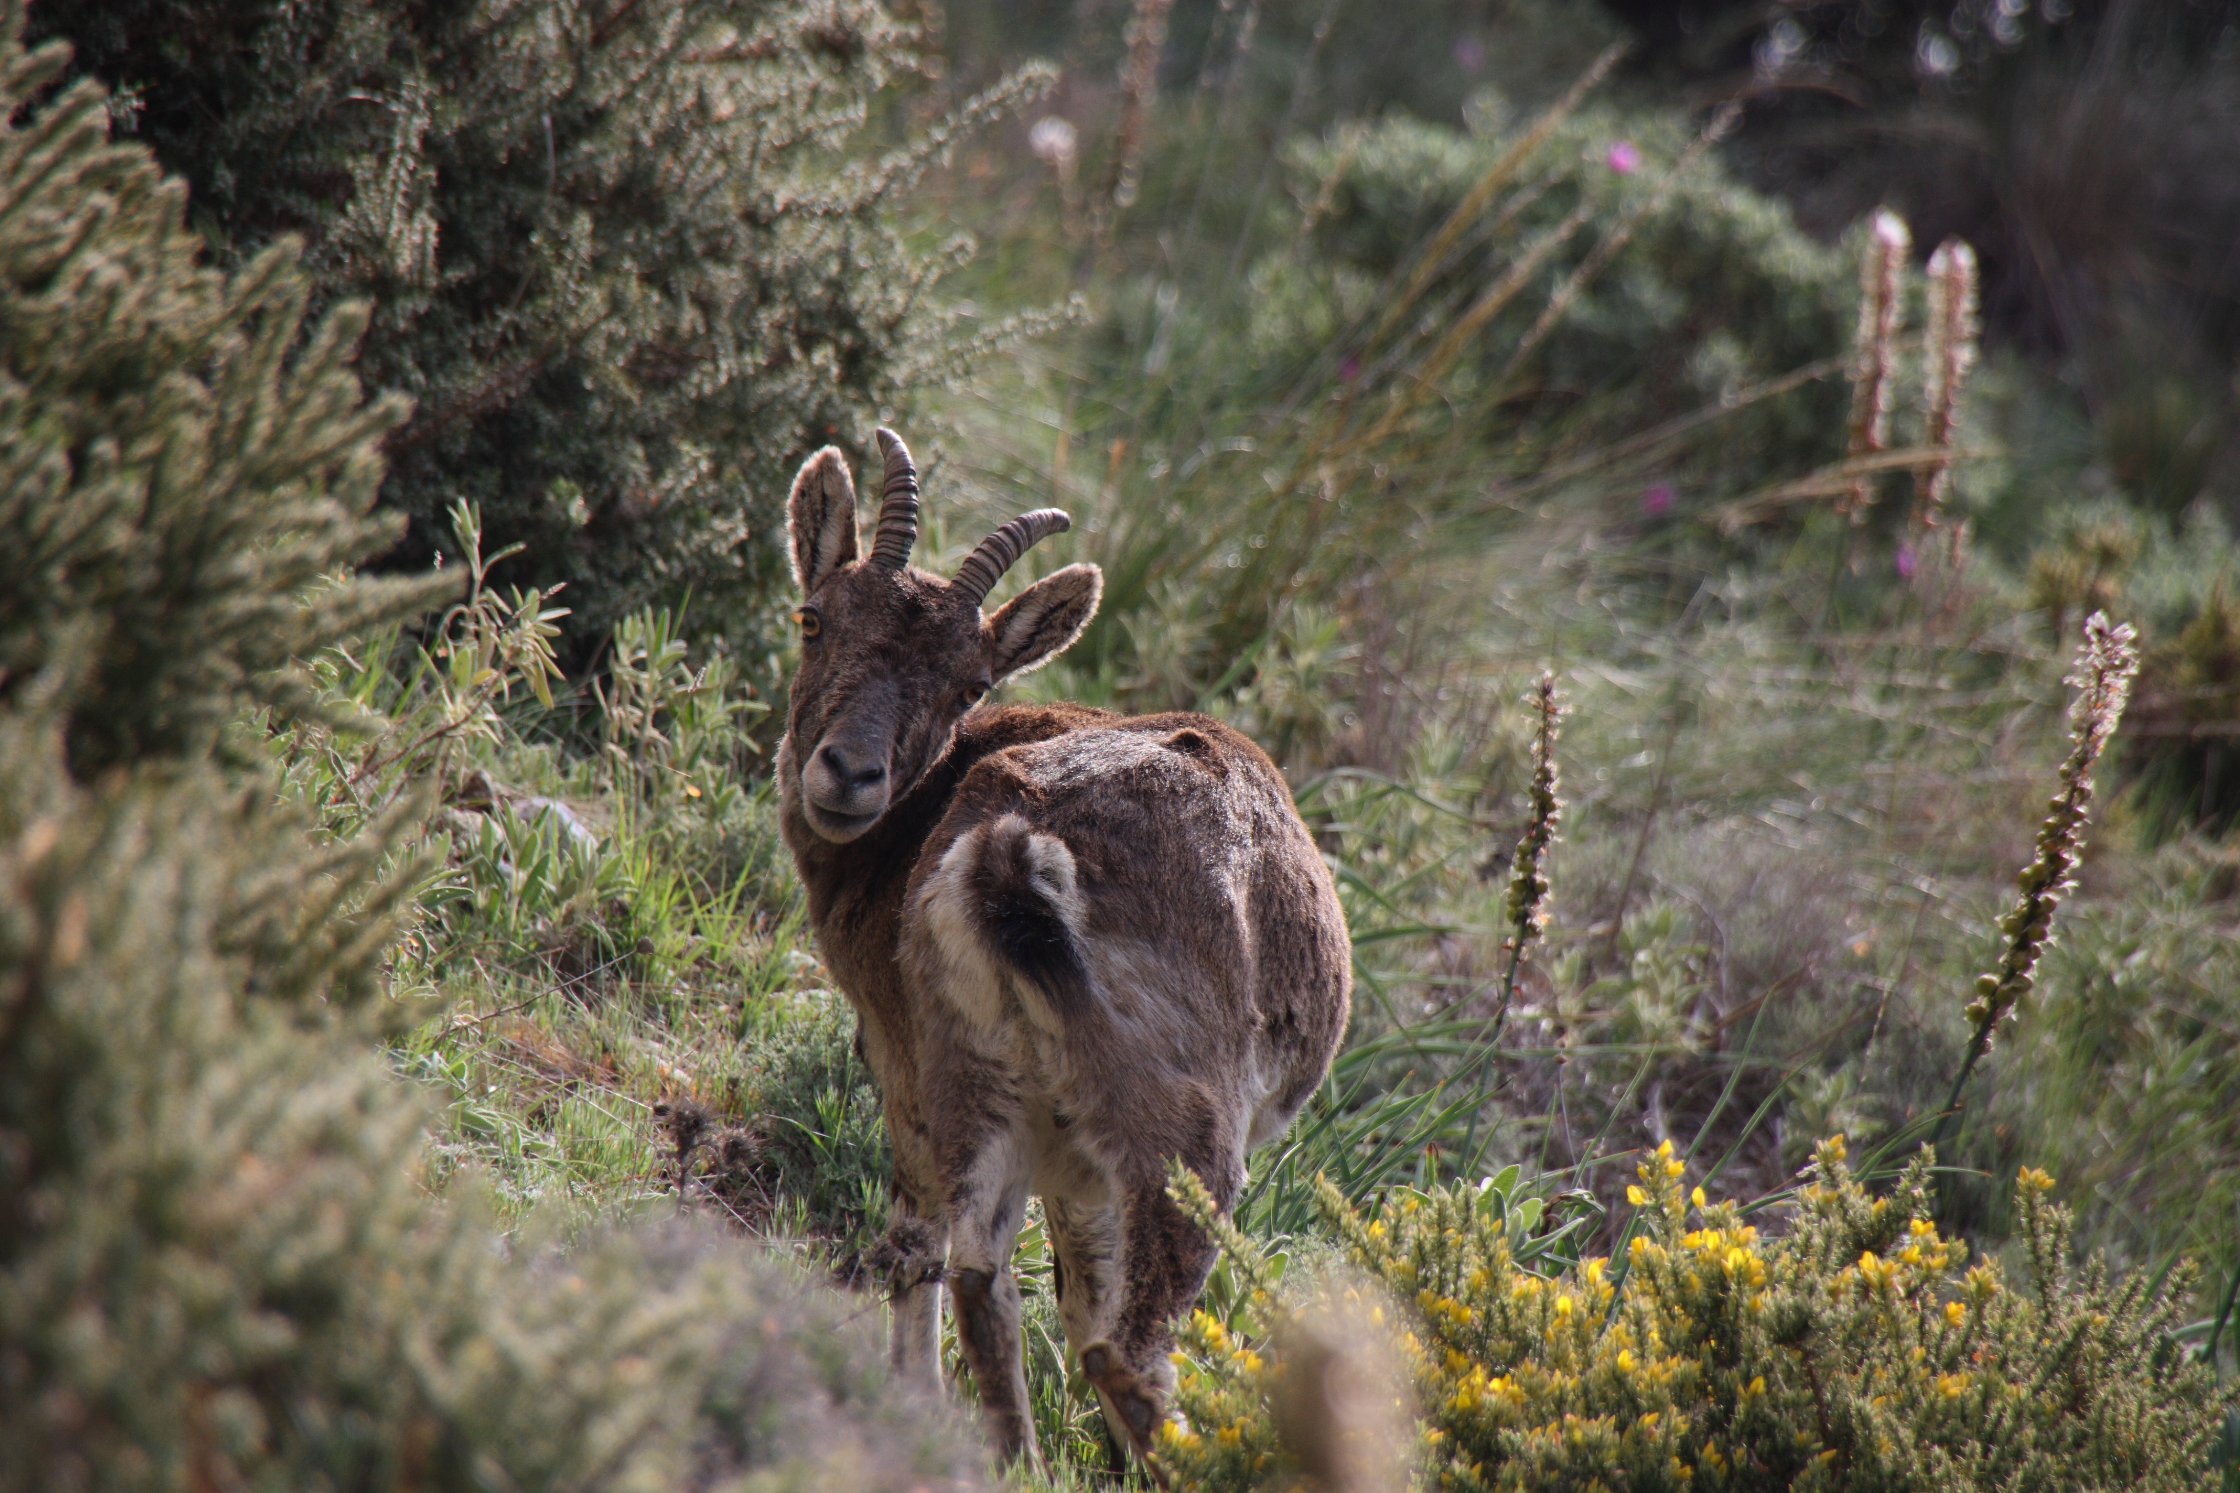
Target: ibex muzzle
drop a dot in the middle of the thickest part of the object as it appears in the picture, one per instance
(846, 784)
(1080, 944)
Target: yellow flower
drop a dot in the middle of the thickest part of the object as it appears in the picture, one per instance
(1952, 1386)
(1664, 1149)
(1955, 1313)
(1754, 1388)
(1563, 1306)
(1636, 1196)
(1696, 1197)
(1835, 1147)
(1625, 1360)
(2034, 1179)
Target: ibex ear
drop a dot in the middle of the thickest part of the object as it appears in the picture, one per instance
(821, 518)
(1042, 621)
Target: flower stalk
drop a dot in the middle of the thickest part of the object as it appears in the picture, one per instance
(1527, 907)
(1874, 365)
(2101, 678)
(1952, 336)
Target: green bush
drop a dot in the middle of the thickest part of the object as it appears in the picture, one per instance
(1857, 1349)
(628, 260)
(822, 1136)
(219, 1265)
(166, 440)
(1714, 291)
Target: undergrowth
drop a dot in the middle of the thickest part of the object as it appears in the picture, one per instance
(1856, 1347)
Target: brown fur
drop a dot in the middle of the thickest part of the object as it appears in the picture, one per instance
(1080, 944)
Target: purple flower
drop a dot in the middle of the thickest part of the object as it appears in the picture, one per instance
(1906, 561)
(1350, 368)
(1469, 53)
(1624, 157)
(1656, 501)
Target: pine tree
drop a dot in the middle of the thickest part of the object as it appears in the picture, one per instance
(218, 1264)
(631, 258)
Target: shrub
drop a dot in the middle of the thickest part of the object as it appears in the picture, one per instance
(822, 1135)
(218, 1263)
(629, 260)
(1714, 291)
(165, 435)
(1858, 1349)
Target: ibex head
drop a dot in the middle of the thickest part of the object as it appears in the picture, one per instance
(891, 656)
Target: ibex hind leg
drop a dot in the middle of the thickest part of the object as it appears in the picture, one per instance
(1085, 1244)
(1165, 1264)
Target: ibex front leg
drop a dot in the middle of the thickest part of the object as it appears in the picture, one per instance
(986, 1207)
(911, 1258)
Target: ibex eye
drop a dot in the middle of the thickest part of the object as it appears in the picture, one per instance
(974, 694)
(809, 622)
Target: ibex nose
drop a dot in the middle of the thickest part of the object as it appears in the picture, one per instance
(850, 775)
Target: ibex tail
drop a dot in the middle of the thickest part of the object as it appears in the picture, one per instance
(1027, 899)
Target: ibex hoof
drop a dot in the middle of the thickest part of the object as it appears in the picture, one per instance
(1133, 1399)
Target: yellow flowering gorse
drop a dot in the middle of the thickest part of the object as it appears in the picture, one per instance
(1859, 1349)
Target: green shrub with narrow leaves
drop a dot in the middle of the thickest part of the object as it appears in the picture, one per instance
(219, 1262)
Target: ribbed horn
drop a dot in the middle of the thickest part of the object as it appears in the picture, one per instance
(898, 507)
(1001, 550)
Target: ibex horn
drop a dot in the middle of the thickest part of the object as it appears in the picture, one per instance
(1001, 550)
(898, 508)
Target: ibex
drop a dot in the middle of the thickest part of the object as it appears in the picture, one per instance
(1079, 944)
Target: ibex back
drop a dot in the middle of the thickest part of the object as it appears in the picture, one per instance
(1080, 944)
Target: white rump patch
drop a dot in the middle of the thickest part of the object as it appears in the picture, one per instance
(967, 977)
(972, 977)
